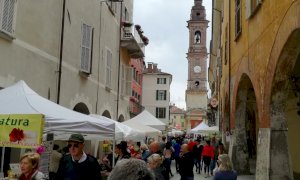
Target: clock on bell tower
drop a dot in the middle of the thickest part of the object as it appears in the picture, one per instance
(196, 93)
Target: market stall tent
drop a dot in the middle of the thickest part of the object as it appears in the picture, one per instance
(213, 129)
(146, 130)
(200, 128)
(148, 119)
(123, 131)
(20, 99)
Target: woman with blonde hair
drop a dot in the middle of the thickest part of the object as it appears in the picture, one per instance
(225, 170)
(29, 164)
(155, 164)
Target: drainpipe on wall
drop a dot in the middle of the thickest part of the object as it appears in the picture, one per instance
(119, 63)
(229, 65)
(61, 51)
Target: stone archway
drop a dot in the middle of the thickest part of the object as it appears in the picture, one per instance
(106, 114)
(243, 147)
(82, 108)
(284, 120)
(121, 118)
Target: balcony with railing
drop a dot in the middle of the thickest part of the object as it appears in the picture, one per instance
(134, 41)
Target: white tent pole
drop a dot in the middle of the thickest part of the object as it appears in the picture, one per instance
(2, 158)
(96, 148)
(113, 153)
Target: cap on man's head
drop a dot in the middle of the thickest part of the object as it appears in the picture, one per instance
(76, 138)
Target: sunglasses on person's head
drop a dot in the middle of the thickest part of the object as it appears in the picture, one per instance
(76, 145)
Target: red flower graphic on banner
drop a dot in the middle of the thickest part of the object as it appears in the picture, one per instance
(16, 135)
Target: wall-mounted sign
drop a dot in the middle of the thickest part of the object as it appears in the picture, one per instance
(21, 130)
(214, 102)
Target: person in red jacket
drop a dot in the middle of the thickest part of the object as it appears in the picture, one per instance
(207, 156)
(191, 145)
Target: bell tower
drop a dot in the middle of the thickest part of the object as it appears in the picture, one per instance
(196, 92)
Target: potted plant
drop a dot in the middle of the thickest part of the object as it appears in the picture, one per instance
(145, 40)
(137, 27)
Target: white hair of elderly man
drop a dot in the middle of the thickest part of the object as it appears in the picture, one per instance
(131, 169)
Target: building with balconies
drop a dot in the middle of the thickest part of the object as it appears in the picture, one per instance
(135, 103)
(77, 58)
(133, 40)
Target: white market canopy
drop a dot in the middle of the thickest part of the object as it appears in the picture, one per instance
(146, 130)
(148, 119)
(213, 129)
(123, 131)
(201, 127)
(20, 99)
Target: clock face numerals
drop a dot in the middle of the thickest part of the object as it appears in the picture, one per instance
(197, 69)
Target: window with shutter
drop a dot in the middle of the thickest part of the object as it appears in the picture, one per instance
(128, 80)
(86, 48)
(161, 94)
(108, 68)
(160, 112)
(251, 7)
(161, 80)
(124, 81)
(226, 48)
(238, 26)
(112, 7)
(7, 18)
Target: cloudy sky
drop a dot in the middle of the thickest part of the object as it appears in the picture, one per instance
(164, 23)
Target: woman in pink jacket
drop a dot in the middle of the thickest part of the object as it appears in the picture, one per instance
(207, 156)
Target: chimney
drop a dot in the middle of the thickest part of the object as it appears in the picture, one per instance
(150, 68)
(155, 67)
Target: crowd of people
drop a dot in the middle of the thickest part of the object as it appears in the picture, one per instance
(135, 161)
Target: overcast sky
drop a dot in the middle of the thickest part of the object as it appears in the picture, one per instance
(164, 23)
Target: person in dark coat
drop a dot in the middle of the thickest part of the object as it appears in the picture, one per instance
(78, 165)
(197, 152)
(186, 163)
(177, 148)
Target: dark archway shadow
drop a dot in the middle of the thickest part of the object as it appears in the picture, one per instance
(246, 128)
(82, 108)
(121, 118)
(106, 114)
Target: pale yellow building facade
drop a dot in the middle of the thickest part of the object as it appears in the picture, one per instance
(256, 70)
